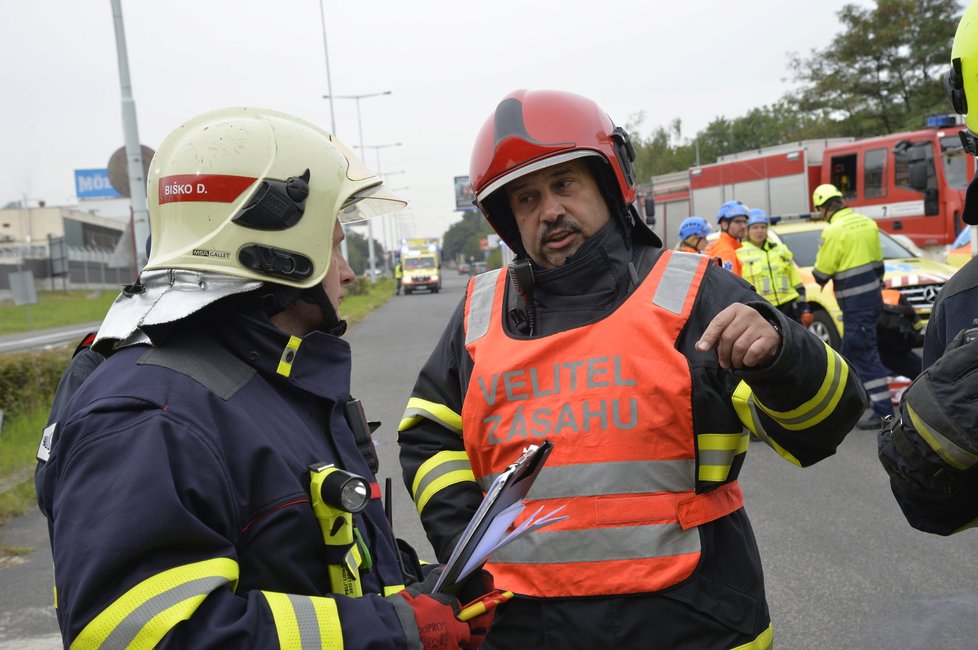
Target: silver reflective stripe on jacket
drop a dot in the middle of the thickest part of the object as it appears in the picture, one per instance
(674, 285)
(480, 305)
(126, 631)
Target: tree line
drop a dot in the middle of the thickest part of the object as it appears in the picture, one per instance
(881, 74)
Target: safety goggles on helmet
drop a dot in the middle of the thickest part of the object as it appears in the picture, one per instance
(533, 130)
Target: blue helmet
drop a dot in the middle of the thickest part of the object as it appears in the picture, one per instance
(732, 209)
(694, 226)
(755, 216)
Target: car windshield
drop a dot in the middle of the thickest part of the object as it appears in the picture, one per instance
(411, 263)
(804, 245)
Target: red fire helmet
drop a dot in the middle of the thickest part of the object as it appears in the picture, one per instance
(532, 130)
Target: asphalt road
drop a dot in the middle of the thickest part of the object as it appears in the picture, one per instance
(843, 568)
(69, 334)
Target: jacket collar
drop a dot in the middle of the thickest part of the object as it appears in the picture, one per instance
(598, 270)
(317, 363)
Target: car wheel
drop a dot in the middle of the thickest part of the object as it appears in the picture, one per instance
(825, 329)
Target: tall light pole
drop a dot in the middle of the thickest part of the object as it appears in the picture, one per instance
(384, 218)
(370, 230)
(332, 114)
(396, 217)
(134, 152)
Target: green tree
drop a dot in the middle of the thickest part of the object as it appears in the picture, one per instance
(356, 246)
(463, 238)
(881, 74)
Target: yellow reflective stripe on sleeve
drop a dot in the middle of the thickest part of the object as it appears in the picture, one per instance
(288, 356)
(955, 456)
(716, 453)
(745, 406)
(305, 622)
(822, 404)
(438, 472)
(142, 616)
(393, 589)
(764, 641)
(439, 413)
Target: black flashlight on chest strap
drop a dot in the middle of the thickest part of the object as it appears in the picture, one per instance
(336, 496)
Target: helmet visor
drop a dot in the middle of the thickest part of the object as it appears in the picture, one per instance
(369, 203)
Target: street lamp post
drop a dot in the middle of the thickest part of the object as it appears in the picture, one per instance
(377, 148)
(332, 114)
(370, 230)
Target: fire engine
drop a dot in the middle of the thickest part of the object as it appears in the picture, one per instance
(913, 183)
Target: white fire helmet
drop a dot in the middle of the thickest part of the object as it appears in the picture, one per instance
(255, 194)
(239, 197)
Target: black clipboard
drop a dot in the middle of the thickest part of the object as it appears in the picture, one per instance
(509, 487)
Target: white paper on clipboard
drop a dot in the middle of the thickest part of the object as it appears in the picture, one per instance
(486, 532)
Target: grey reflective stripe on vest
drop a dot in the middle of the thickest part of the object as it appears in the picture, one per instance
(480, 305)
(441, 470)
(856, 270)
(129, 627)
(601, 544)
(858, 289)
(204, 360)
(628, 477)
(675, 281)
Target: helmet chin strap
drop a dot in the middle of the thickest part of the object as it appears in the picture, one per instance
(278, 297)
(332, 323)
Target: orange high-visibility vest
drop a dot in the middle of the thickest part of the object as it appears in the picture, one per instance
(614, 397)
(725, 247)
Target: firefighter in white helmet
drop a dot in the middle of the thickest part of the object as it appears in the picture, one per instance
(210, 484)
(930, 450)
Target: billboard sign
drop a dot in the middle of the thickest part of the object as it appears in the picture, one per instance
(94, 184)
(464, 196)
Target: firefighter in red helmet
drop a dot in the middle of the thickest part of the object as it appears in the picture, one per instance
(645, 367)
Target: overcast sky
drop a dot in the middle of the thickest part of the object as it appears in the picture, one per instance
(446, 64)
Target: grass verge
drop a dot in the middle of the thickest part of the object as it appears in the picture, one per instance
(368, 298)
(21, 434)
(55, 309)
(18, 451)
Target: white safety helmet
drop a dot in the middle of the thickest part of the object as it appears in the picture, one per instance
(255, 194)
(240, 199)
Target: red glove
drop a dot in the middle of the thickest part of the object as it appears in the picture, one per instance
(476, 588)
(434, 620)
(806, 318)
